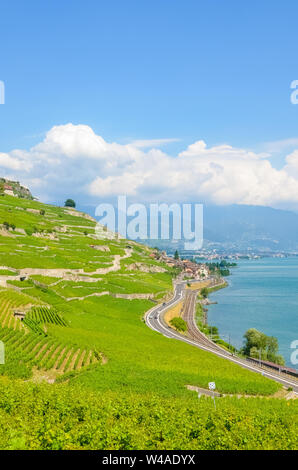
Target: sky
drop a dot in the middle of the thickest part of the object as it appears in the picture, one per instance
(161, 100)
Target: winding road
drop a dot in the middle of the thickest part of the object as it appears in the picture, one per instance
(154, 319)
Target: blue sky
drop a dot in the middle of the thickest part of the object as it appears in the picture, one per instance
(133, 70)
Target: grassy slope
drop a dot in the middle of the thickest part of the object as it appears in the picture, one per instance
(139, 361)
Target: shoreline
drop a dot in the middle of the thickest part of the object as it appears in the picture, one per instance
(245, 307)
(204, 326)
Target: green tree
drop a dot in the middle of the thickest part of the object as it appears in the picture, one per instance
(69, 203)
(254, 339)
(224, 272)
(223, 263)
(176, 255)
(204, 292)
(272, 348)
(179, 323)
(258, 345)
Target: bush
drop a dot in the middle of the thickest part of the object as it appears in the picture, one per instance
(204, 292)
(179, 324)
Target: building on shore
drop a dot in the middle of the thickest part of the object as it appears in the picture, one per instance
(189, 268)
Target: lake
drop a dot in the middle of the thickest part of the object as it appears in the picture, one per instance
(262, 294)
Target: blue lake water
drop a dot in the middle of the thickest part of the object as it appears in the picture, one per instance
(262, 294)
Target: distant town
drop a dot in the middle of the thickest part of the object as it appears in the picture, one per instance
(218, 255)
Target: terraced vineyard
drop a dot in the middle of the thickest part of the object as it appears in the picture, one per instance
(28, 350)
(40, 315)
(71, 310)
(27, 344)
(11, 301)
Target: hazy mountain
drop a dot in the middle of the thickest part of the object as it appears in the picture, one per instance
(258, 227)
(242, 227)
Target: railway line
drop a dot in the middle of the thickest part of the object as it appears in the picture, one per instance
(155, 320)
(188, 314)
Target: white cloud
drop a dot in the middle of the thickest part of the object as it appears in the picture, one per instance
(152, 142)
(279, 146)
(73, 161)
(8, 162)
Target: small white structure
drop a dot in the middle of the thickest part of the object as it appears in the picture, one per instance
(9, 192)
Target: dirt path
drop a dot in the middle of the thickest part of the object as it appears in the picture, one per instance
(65, 273)
(73, 360)
(106, 292)
(281, 394)
(61, 354)
(94, 294)
(80, 363)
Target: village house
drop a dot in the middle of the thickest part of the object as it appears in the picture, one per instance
(7, 189)
(189, 268)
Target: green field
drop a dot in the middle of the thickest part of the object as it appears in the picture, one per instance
(113, 382)
(62, 417)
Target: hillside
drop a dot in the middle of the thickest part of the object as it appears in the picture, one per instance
(71, 316)
(14, 188)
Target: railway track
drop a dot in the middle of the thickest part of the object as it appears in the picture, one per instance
(155, 320)
(188, 314)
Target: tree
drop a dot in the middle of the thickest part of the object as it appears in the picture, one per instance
(254, 339)
(179, 323)
(272, 348)
(204, 292)
(176, 255)
(224, 272)
(258, 345)
(69, 203)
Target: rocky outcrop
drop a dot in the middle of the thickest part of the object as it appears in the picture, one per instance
(33, 211)
(47, 236)
(133, 296)
(76, 213)
(145, 268)
(14, 188)
(100, 247)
